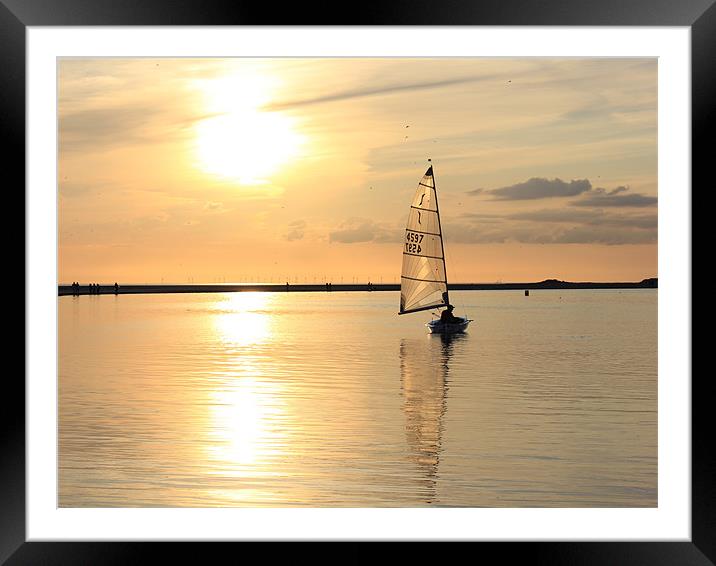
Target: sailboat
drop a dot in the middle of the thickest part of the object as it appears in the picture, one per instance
(423, 281)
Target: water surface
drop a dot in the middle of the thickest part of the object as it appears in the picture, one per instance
(332, 399)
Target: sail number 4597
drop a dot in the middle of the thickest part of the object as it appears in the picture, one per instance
(412, 245)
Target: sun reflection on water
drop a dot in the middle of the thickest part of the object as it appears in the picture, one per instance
(243, 319)
(246, 413)
(244, 422)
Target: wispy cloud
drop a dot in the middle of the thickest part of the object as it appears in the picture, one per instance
(615, 198)
(103, 126)
(615, 232)
(374, 91)
(539, 188)
(555, 226)
(357, 230)
(296, 230)
(602, 110)
(592, 217)
(128, 125)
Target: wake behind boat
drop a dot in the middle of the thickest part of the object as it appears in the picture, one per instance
(423, 281)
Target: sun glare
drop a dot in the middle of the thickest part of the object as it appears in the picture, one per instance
(238, 140)
(242, 319)
(245, 415)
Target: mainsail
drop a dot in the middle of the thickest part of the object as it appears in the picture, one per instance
(423, 282)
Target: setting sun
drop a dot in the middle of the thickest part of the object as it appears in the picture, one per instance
(237, 139)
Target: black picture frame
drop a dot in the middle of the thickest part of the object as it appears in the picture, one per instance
(17, 15)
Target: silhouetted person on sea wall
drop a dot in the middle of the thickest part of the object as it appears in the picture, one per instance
(116, 288)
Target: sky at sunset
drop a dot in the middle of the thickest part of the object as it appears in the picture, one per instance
(231, 170)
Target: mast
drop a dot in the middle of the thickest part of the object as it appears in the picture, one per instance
(442, 237)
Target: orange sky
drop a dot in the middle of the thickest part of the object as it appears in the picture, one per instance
(212, 170)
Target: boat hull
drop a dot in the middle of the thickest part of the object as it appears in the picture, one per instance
(437, 327)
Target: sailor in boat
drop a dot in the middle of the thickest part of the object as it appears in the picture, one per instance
(447, 317)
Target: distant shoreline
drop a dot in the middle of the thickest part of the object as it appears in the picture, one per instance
(343, 287)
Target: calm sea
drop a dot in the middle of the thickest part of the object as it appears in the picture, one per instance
(332, 399)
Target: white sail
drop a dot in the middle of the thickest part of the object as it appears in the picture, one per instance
(423, 281)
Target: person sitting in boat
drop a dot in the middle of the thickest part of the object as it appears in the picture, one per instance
(446, 317)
